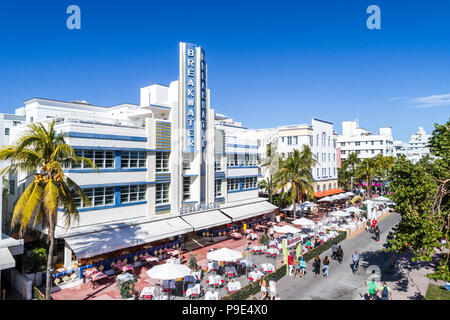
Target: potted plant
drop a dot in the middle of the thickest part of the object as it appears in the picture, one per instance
(264, 239)
(127, 289)
(193, 262)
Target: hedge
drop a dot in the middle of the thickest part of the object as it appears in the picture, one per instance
(324, 247)
(254, 287)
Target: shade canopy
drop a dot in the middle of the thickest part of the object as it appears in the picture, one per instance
(354, 209)
(349, 194)
(95, 243)
(286, 229)
(382, 198)
(169, 271)
(308, 204)
(337, 197)
(339, 213)
(6, 259)
(224, 254)
(249, 210)
(326, 199)
(303, 222)
(206, 219)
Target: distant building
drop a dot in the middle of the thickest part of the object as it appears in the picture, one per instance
(364, 143)
(319, 136)
(417, 146)
(399, 148)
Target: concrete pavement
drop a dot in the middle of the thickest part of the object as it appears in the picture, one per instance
(341, 283)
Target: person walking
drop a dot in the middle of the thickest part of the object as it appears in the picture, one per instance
(271, 231)
(334, 248)
(302, 265)
(263, 285)
(355, 260)
(340, 254)
(377, 234)
(372, 287)
(273, 288)
(316, 266)
(326, 265)
(290, 260)
(385, 292)
(296, 266)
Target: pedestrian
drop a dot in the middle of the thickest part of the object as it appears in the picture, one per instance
(296, 266)
(302, 265)
(271, 231)
(385, 292)
(355, 260)
(377, 234)
(326, 265)
(277, 297)
(334, 248)
(316, 266)
(273, 288)
(372, 287)
(340, 254)
(263, 285)
(290, 259)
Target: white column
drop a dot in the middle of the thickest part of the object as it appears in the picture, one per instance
(67, 256)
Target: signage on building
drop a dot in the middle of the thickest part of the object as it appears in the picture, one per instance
(338, 157)
(195, 76)
(294, 240)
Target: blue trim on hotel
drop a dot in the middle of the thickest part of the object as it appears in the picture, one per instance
(105, 170)
(112, 206)
(246, 146)
(242, 190)
(85, 135)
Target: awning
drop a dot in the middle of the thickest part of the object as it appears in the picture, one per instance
(328, 192)
(92, 244)
(207, 219)
(249, 210)
(6, 259)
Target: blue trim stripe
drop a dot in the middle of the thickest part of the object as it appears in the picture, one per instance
(105, 170)
(115, 184)
(118, 205)
(242, 146)
(242, 190)
(86, 135)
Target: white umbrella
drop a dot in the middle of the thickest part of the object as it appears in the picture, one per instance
(337, 197)
(224, 254)
(381, 198)
(339, 213)
(169, 271)
(286, 229)
(308, 204)
(354, 209)
(349, 194)
(325, 199)
(303, 222)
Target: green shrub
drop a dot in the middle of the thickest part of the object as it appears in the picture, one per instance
(264, 239)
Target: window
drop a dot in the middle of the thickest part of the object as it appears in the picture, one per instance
(97, 196)
(250, 160)
(317, 140)
(282, 139)
(373, 151)
(334, 143)
(133, 159)
(186, 161)
(217, 163)
(358, 151)
(311, 140)
(357, 143)
(296, 140)
(218, 188)
(12, 187)
(232, 160)
(289, 141)
(162, 193)
(381, 142)
(342, 144)
(329, 145)
(186, 188)
(133, 193)
(318, 175)
(248, 183)
(103, 159)
(6, 131)
(233, 184)
(318, 188)
(372, 142)
(162, 162)
(343, 152)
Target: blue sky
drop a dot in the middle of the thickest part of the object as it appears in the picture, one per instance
(270, 63)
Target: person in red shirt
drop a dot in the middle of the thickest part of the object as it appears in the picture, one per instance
(290, 263)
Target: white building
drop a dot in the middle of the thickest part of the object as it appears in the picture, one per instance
(168, 167)
(364, 143)
(417, 146)
(399, 148)
(319, 136)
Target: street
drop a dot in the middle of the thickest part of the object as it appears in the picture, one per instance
(341, 284)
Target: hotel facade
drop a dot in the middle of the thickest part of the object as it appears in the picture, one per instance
(169, 168)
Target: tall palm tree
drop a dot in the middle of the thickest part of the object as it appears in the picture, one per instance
(353, 161)
(270, 163)
(366, 170)
(44, 152)
(295, 174)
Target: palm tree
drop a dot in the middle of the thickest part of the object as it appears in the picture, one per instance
(295, 174)
(270, 163)
(353, 161)
(44, 152)
(267, 185)
(384, 165)
(366, 170)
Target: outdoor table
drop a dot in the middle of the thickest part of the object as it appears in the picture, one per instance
(248, 231)
(215, 281)
(97, 277)
(231, 271)
(148, 292)
(173, 260)
(148, 258)
(255, 275)
(212, 295)
(252, 236)
(272, 252)
(267, 267)
(193, 291)
(124, 277)
(233, 286)
(173, 252)
(168, 285)
(273, 244)
(89, 272)
(236, 235)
